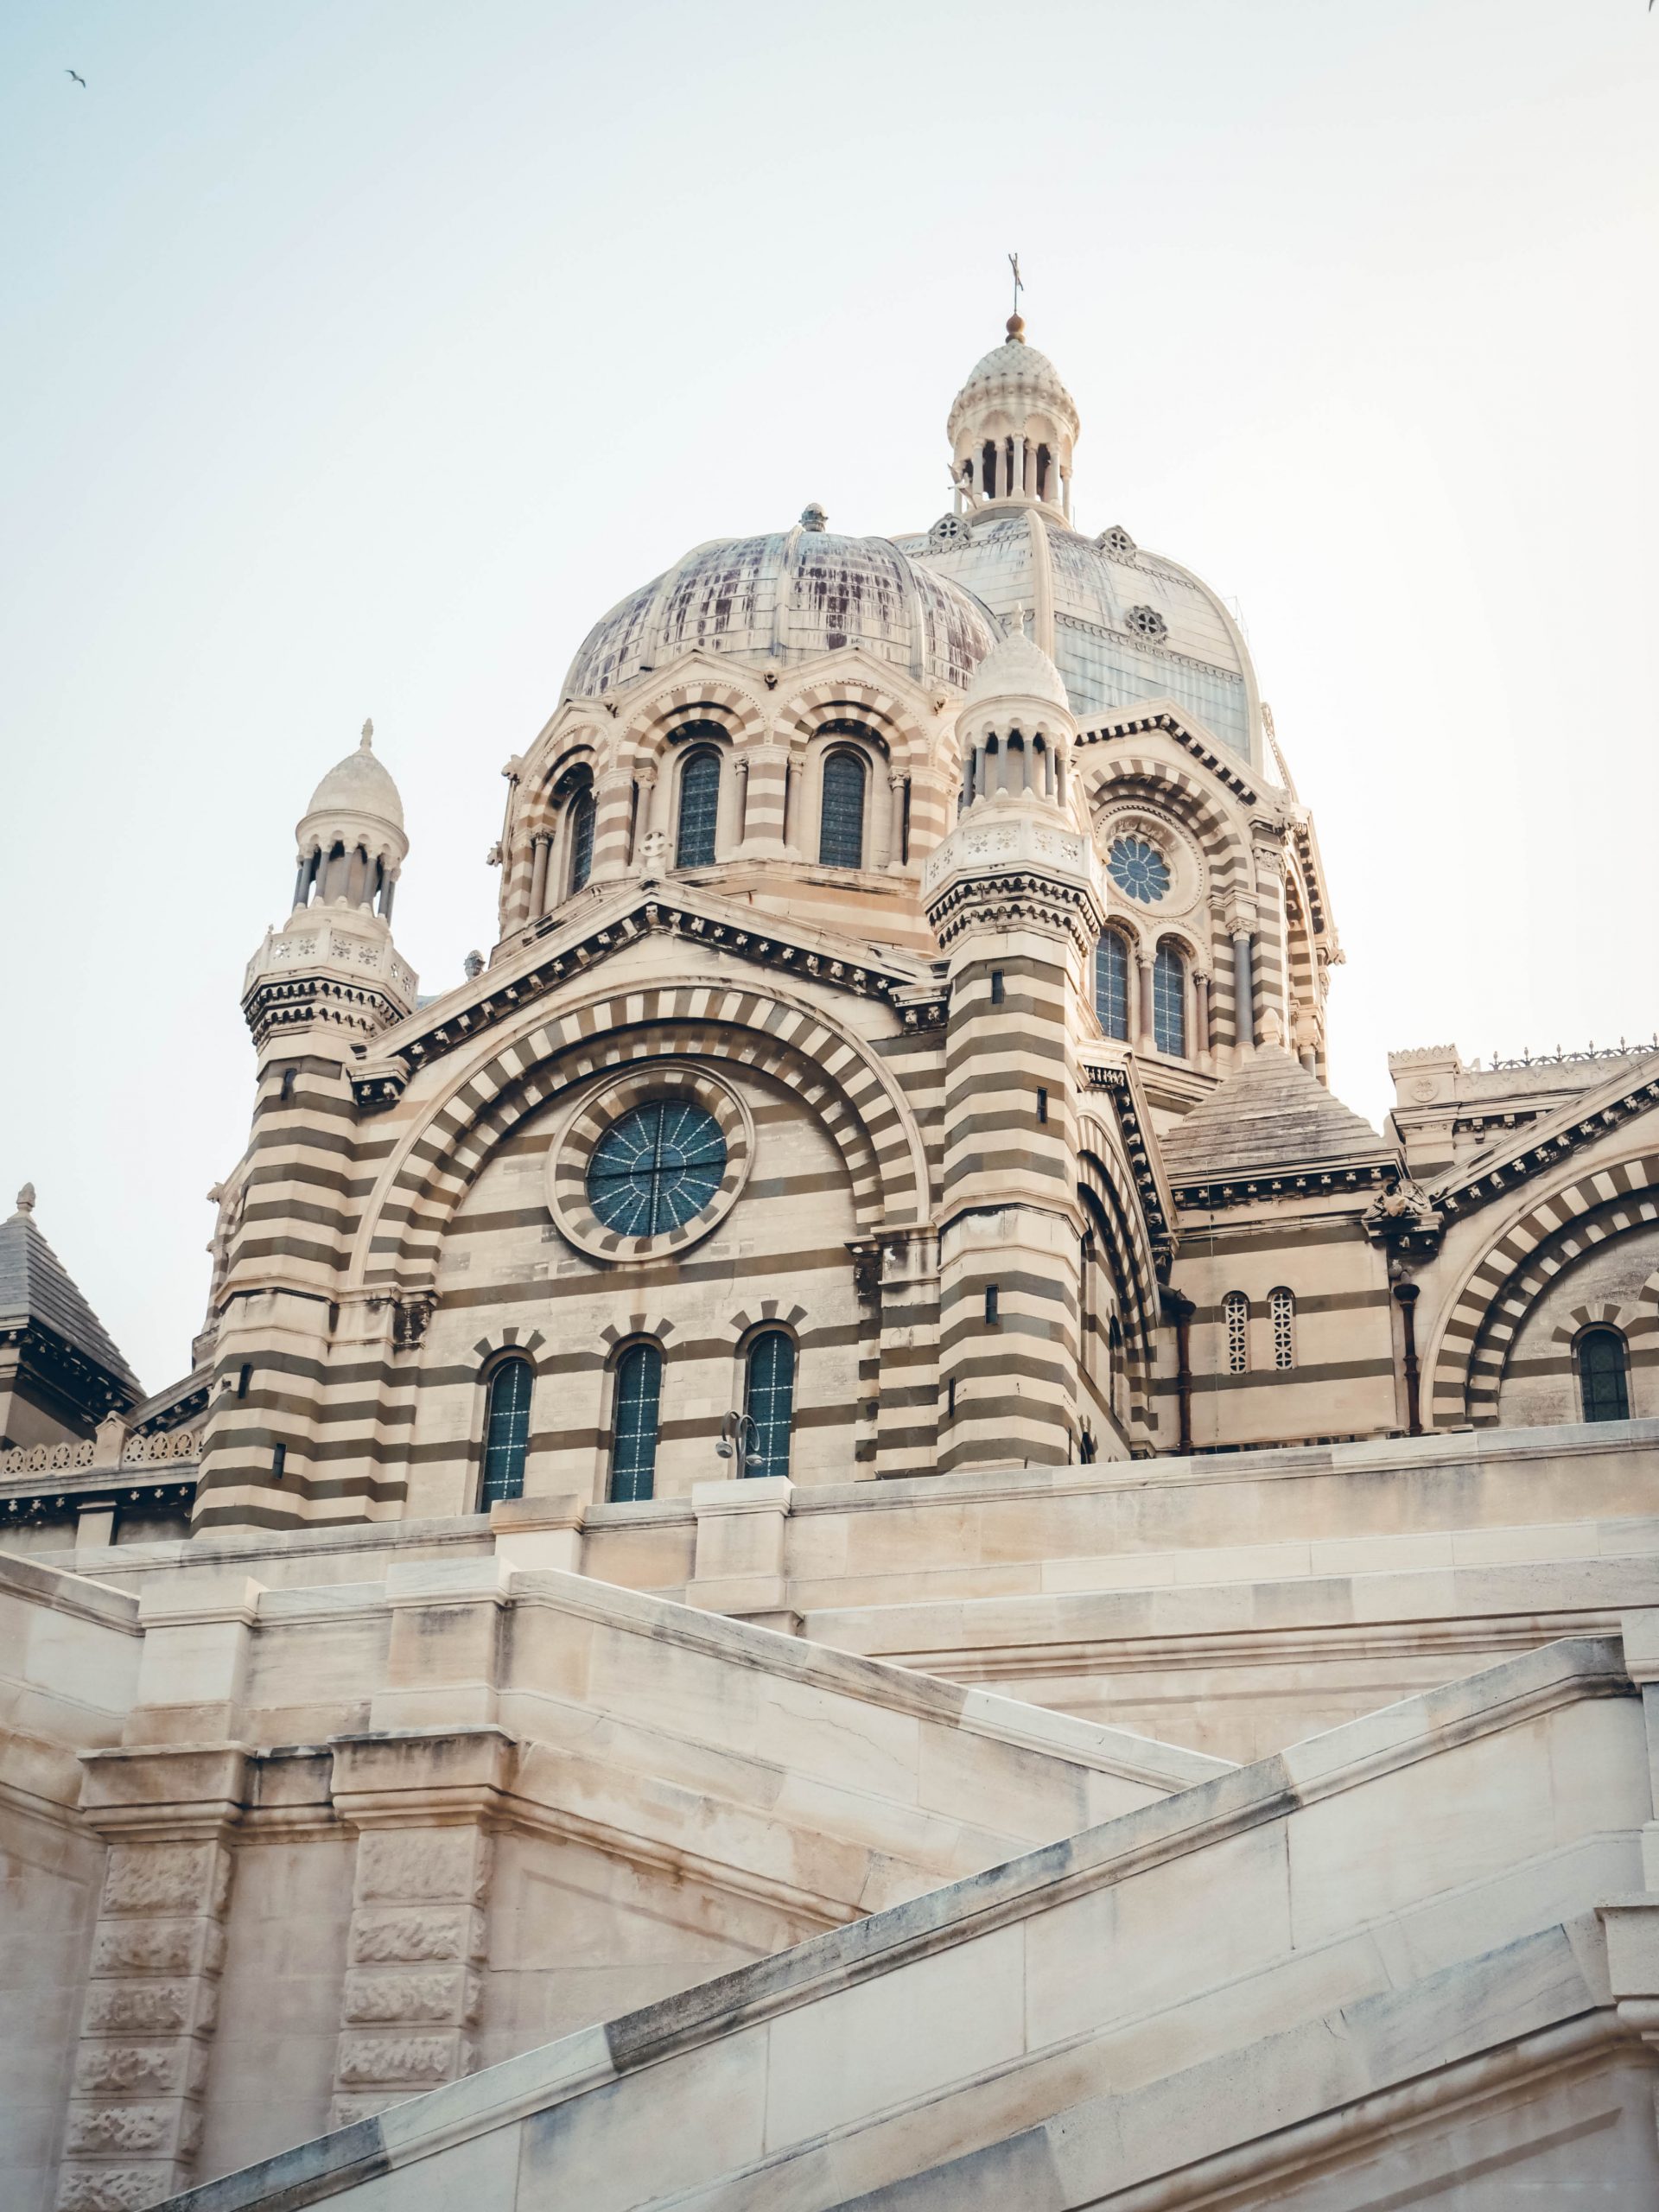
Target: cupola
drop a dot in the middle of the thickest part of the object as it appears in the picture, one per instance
(1015, 728)
(350, 837)
(1012, 429)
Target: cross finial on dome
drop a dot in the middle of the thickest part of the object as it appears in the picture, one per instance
(367, 744)
(26, 1199)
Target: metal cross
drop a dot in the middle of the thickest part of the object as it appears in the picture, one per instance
(1019, 281)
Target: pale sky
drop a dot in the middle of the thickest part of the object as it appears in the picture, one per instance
(356, 355)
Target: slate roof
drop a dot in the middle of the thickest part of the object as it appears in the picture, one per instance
(35, 1285)
(1269, 1117)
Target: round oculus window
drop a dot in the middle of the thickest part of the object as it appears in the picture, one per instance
(659, 1166)
(1138, 869)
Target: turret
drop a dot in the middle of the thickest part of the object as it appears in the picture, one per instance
(332, 967)
(1016, 897)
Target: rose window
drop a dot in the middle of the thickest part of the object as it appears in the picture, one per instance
(1117, 542)
(656, 1167)
(1138, 869)
(1147, 622)
(950, 531)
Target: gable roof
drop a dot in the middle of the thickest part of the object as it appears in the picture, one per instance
(1269, 1117)
(35, 1287)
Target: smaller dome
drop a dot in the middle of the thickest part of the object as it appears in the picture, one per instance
(1017, 668)
(359, 785)
(1017, 374)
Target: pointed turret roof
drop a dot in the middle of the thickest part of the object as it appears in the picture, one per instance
(37, 1289)
(1269, 1117)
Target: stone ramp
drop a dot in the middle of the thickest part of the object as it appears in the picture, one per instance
(1385, 1965)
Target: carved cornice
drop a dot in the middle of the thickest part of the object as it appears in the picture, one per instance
(917, 1004)
(1212, 757)
(1463, 1192)
(294, 1001)
(1116, 1083)
(1015, 900)
(1211, 1196)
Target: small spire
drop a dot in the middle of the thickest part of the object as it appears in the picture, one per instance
(813, 517)
(367, 745)
(26, 1199)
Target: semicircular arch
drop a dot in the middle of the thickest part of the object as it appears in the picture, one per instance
(441, 1153)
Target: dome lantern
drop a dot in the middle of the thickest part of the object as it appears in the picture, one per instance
(350, 837)
(1011, 428)
(1016, 728)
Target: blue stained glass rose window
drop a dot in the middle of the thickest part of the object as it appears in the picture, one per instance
(1138, 869)
(656, 1167)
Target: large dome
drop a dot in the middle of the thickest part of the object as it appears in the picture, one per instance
(1129, 625)
(785, 597)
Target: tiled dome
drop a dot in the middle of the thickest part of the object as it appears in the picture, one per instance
(783, 598)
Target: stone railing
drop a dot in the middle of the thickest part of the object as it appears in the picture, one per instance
(166, 1446)
(1559, 1058)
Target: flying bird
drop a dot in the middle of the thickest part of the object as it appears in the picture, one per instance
(79, 79)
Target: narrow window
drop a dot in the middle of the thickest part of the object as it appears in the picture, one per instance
(1169, 1001)
(951, 1398)
(770, 1401)
(998, 992)
(245, 1378)
(1235, 1313)
(506, 1433)
(1042, 1103)
(699, 806)
(992, 1302)
(288, 1085)
(1602, 1385)
(988, 469)
(1112, 986)
(279, 1461)
(1281, 1312)
(633, 1432)
(580, 829)
(841, 823)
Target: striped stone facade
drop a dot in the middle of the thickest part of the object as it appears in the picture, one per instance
(820, 842)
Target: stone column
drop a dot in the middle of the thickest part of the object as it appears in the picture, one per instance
(1144, 1023)
(1201, 1018)
(644, 820)
(792, 796)
(1243, 992)
(540, 845)
(134, 2122)
(612, 820)
(877, 848)
(766, 767)
(386, 898)
(897, 785)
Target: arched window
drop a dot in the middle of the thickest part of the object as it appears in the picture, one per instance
(1281, 1312)
(988, 469)
(1236, 1315)
(1112, 985)
(1603, 1389)
(841, 820)
(1169, 1001)
(506, 1433)
(634, 1429)
(769, 1398)
(579, 833)
(699, 807)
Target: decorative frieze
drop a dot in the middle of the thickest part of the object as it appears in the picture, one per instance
(134, 2122)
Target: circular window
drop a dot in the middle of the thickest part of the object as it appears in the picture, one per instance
(656, 1168)
(1138, 869)
(1147, 622)
(649, 1163)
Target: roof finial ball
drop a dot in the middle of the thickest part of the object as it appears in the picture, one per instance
(1016, 330)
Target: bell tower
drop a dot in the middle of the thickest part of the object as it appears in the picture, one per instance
(1012, 428)
(1016, 897)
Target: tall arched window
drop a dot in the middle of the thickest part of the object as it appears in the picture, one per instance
(1281, 1312)
(1112, 985)
(770, 1399)
(634, 1429)
(579, 834)
(1169, 1001)
(699, 807)
(506, 1433)
(1236, 1316)
(841, 820)
(1603, 1389)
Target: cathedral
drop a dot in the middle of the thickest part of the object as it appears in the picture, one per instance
(838, 1502)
